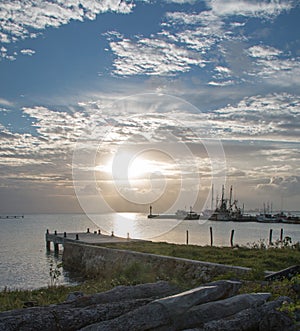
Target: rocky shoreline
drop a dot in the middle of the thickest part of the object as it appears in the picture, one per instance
(156, 306)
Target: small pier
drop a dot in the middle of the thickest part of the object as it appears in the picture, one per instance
(92, 238)
(10, 217)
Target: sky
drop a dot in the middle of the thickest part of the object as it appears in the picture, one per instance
(117, 105)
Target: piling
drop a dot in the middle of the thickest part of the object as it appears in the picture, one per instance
(231, 238)
(56, 248)
(270, 237)
(48, 243)
(281, 235)
(211, 236)
(187, 237)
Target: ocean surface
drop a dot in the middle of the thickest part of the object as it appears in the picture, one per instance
(25, 264)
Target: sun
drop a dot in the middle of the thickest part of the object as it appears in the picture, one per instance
(140, 168)
(130, 166)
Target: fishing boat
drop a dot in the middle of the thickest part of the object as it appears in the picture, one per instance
(228, 210)
(268, 218)
(290, 218)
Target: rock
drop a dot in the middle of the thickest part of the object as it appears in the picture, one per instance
(288, 273)
(163, 313)
(84, 310)
(198, 315)
(248, 319)
(275, 321)
(57, 317)
(119, 293)
(149, 317)
(212, 307)
(180, 303)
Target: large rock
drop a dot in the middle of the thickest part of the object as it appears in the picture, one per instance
(84, 310)
(198, 315)
(164, 313)
(64, 318)
(119, 293)
(180, 303)
(262, 318)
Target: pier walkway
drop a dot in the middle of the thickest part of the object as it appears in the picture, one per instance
(82, 237)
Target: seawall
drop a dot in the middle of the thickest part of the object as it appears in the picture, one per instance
(93, 261)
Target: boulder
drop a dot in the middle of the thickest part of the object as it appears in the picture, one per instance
(287, 273)
(164, 313)
(198, 315)
(256, 318)
(85, 310)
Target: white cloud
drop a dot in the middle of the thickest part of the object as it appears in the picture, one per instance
(152, 57)
(265, 52)
(266, 117)
(254, 8)
(18, 18)
(5, 102)
(29, 52)
(285, 185)
(181, 1)
(274, 66)
(199, 32)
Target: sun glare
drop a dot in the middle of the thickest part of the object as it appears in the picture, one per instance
(140, 167)
(128, 166)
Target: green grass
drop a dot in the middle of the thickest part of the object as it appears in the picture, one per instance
(259, 259)
(265, 259)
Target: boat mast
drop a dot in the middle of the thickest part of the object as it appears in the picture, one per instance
(212, 197)
(222, 199)
(230, 197)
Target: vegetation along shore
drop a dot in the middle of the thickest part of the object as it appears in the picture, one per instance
(258, 256)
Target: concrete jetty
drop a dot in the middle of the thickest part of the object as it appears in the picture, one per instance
(92, 238)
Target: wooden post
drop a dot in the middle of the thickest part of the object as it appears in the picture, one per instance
(65, 234)
(231, 238)
(187, 237)
(56, 248)
(211, 236)
(77, 237)
(270, 237)
(281, 235)
(48, 243)
(48, 246)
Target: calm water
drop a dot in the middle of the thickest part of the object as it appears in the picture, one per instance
(25, 264)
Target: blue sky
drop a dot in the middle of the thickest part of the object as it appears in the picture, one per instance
(115, 105)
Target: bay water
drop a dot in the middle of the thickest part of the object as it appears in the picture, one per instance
(25, 264)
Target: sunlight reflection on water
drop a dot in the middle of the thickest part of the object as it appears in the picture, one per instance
(24, 262)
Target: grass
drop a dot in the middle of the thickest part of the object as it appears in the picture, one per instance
(274, 258)
(258, 257)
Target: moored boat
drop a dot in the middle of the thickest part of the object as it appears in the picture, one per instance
(228, 210)
(268, 218)
(179, 214)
